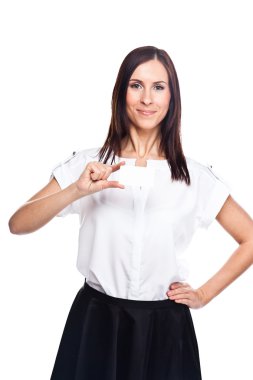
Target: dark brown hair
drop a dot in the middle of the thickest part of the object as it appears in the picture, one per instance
(170, 143)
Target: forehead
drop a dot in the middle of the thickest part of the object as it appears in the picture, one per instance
(152, 71)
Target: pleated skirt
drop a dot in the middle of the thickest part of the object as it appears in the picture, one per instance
(109, 338)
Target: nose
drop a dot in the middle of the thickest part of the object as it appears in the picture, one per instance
(146, 97)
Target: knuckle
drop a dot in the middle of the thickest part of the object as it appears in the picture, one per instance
(102, 167)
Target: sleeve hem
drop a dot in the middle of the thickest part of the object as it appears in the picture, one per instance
(218, 198)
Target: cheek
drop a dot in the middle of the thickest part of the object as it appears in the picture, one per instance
(165, 103)
(131, 99)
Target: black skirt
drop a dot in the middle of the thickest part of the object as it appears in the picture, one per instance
(109, 338)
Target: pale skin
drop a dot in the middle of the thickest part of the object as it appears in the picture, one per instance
(147, 103)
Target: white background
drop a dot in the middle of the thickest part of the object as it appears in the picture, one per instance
(59, 61)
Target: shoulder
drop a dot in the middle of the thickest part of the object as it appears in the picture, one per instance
(77, 160)
(85, 155)
(206, 175)
(197, 168)
(89, 153)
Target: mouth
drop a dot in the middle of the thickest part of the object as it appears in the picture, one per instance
(146, 113)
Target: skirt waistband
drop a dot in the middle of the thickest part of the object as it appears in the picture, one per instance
(142, 304)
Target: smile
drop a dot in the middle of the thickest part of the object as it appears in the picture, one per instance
(146, 113)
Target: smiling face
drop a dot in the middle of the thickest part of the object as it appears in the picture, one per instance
(148, 95)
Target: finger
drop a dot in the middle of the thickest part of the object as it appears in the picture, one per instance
(184, 301)
(103, 174)
(117, 166)
(176, 285)
(93, 171)
(111, 168)
(107, 173)
(98, 171)
(95, 174)
(179, 290)
(112, 184)
(189, 303)
(180, 295)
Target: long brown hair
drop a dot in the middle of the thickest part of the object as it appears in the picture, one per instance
(170, 129)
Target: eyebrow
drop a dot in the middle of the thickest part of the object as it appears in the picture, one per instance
(138, 80)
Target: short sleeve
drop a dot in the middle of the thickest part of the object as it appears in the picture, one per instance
(211, 195)
(67, 172)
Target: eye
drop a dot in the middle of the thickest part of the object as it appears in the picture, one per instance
(135, 85)
(159, 87)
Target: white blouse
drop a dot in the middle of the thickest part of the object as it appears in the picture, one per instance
(132, 241)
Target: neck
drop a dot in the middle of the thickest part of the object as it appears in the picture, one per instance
(141, 143)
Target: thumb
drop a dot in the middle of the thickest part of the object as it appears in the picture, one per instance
(112, 184)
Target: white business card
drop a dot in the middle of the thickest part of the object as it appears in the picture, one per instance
(131, 175)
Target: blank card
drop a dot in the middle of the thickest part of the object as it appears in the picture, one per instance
(130, 175)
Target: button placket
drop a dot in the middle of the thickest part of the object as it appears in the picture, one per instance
(139, 197)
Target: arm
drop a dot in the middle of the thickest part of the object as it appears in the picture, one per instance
(234, 219)
(42, 207)
(50, 200)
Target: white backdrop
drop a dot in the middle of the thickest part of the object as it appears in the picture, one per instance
(59, 61)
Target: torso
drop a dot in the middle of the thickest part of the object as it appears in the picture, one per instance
(147, 229)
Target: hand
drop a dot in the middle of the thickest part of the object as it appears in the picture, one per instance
(94, 178)
(181, 292)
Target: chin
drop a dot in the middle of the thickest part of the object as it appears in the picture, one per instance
(147, 127)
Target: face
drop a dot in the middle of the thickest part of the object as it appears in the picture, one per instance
(148, 95)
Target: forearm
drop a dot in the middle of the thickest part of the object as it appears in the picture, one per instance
(239, 261)
(36, 213)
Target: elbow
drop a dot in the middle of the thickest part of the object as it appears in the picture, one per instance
(251, 244)
(14, 227)
(21, 226)
(248, 246)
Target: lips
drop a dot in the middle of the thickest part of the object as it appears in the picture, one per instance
(146, 113)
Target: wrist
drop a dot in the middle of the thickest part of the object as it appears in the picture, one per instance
(203, 296)
(76, 192)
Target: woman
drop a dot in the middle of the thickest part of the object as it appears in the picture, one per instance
(138, 213)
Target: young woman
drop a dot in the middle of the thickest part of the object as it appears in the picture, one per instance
(140, 200)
